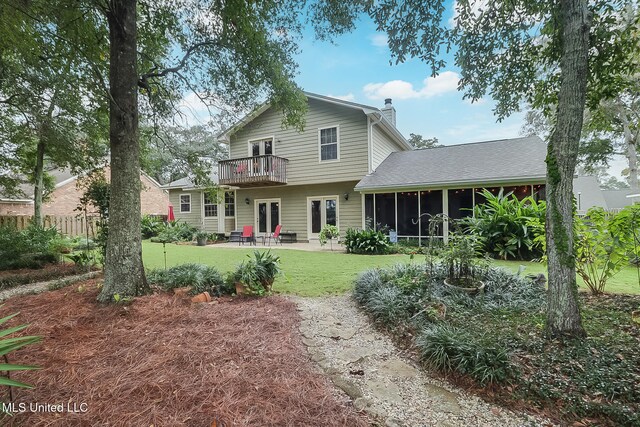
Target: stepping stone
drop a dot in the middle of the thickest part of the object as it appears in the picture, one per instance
(384, 390)
(352, 390)
(343, 333)
(352, 354)
(397, 368)
(444, 400)
(361, 403)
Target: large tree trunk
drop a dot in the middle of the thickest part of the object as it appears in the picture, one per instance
(38, 188)
(631, 150)
(563, 313)
(123, 270)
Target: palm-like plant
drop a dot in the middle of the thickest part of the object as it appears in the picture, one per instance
(7, 345)
(502, 223)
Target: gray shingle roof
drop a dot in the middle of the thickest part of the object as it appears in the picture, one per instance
(188, 183)
(501, 161)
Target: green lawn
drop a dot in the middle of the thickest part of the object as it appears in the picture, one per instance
(305, 273)
(626, 281)
(321, 273)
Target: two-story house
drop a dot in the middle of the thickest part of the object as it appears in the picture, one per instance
(349, 167)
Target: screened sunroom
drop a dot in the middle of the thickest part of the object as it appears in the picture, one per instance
(409, 188)
(419, 214)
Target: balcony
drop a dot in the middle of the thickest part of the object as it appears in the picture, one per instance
(258, 171)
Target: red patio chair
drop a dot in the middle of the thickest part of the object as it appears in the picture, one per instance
(275, 235)
(247, 235)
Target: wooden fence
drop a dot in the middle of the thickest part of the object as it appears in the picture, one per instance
(69, 225)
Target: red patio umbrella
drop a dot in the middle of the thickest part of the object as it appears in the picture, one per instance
(171, 216)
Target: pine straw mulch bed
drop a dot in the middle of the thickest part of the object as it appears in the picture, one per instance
(165, 362)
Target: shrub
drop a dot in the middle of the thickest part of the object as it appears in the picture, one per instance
(200, 277)
(366, 242)
(150, 226)
(175, 231)
(447, 348)
(32, 247)
(501, 222)
(600, 247)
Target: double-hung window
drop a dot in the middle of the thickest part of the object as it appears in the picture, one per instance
(229, 203)
(210, 206)
(185, 203)
(329, 144)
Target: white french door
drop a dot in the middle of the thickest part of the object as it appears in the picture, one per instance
(267, 216)
(321, 211)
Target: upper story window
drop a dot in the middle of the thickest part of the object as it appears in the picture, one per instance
(229, 203)
(185, 203)
(210, 206)
(329, 144)
(260, 147)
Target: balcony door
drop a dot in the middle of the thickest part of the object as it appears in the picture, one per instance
(321, 211)
(261, 147)
(267, 216)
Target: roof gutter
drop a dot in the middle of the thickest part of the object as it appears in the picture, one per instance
(450, 184)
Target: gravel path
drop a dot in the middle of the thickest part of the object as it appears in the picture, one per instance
(379, 379)
(36, 288)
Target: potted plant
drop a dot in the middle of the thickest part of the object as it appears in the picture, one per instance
(328, 232)
(201, 237)
(463, 267)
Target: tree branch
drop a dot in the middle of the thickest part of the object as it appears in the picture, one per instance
(143, 82)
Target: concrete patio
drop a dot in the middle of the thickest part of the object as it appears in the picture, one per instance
(313, 246)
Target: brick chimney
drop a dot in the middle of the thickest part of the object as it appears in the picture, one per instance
(389, 111)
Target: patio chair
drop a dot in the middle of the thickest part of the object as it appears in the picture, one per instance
(275, 235)
(247, 235)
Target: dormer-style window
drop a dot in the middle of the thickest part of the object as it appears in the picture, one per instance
(329, 143)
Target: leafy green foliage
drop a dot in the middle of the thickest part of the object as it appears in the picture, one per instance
(447, 348)
(328, 232)
(257, 274)
(367, 241)
(151, 226)
(600, 243)
(199, 277)
(502, 224)
(32, 247)
(175, 231)
(9, 345)
(461, 260)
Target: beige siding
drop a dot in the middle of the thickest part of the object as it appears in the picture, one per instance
(229, 224)
(293, 207)
(382, 146)
(195, 216)
(302, 148)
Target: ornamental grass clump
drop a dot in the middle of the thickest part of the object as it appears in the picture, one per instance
(450, 349)
(199, 277)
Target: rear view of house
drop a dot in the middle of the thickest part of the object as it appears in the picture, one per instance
(350, 166)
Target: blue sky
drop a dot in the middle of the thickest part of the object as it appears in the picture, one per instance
(356, 67)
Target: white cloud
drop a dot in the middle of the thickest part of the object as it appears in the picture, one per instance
(399, 89)
(380, 40)
(348, 97)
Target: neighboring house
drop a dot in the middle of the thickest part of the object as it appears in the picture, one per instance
(348, 167)
(618, 199)
(588, 194)
(65, 197)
